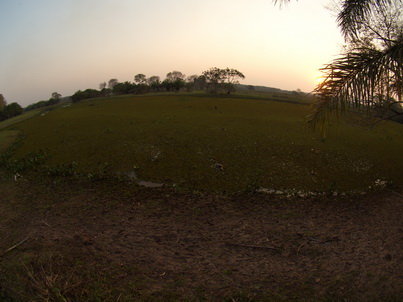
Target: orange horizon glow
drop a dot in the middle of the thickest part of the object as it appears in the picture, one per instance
(65, 46)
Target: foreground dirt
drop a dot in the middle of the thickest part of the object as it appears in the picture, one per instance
(115, 242)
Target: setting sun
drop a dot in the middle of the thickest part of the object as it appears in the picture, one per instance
(319, 78)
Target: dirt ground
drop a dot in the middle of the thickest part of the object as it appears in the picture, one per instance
(112, 242)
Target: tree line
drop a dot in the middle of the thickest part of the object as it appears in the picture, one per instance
(214, 80)
(13, 109)
(54, 99)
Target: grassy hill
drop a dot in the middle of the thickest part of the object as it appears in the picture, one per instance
(80, 239)
(214, 144)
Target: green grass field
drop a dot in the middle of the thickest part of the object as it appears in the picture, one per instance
(20, 118)
(214, 144)
(7, 137)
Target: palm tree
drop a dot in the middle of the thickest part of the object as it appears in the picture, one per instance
(370, 73)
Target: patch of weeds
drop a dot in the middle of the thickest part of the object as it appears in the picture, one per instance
(31, 161)
(15, 166)
(34, 162)
(58, 278)
(63, 170)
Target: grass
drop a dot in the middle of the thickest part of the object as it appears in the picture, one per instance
(20, 118)
(7, 137)
(198, 142)
(214, 144)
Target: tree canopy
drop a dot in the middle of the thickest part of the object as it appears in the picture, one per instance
(222, 79)
(10, 110)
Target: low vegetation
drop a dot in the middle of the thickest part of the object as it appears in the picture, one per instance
(215, 144)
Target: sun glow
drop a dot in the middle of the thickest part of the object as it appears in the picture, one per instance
(319, 79)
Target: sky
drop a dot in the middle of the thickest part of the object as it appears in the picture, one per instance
(66, 45)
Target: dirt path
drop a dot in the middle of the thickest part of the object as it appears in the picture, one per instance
(177, 246)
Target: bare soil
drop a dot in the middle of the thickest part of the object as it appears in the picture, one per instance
(115, 242)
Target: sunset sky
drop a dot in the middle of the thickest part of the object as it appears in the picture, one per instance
(66, 45)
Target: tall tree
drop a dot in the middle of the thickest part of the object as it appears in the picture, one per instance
(3, 102)
(140, 78)
(174, 76)
(56, 96)
(112, 83)
(153, 79)
(155, 83)
(174, 81)
(10, 111)
(222, 79)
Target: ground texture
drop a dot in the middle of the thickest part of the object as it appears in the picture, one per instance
(117, 242)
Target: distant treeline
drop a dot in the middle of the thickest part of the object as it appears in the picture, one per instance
(214, 80)
(41, 104)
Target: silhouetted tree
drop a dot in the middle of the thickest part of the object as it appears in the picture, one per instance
(54, 99)
(154, 83)
(3, 102)
(167, 85)
(112, 83)
(153, 79)
(200, 83)
(86, 94)
(175, 75)
(174, 81)
(140, 78)
(222, 79)
(10, 111)
(36, 105)
(56, 96)
(178, 84)
(124, 88)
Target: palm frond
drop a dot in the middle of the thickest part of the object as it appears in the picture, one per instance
(281, 2)
(354, 12)
(363, 78)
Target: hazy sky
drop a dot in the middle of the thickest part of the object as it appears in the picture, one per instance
(67, 45)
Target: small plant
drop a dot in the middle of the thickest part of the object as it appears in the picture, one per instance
(63, 170)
